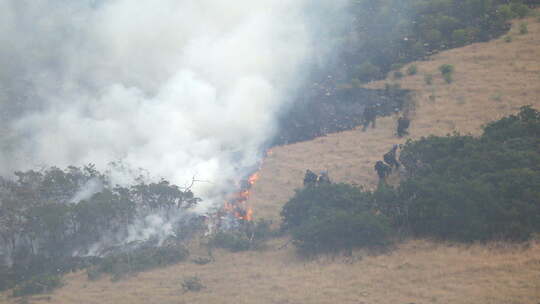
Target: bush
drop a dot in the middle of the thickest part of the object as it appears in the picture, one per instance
(447, 71)
(520, 10)
(412, 69)
(233, 241)
(396, 66)
(508, 38)
(472, 189)
(251, 235)
(93, 273)
(192, 283)
(523, 28)
(339, 230)
(201, 260)
(313, 202)
(505, 12)
(334, 217)
(460, 37)
(37, 285)
(398, 74)
(137, 260)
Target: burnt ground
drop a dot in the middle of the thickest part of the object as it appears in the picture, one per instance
(323, 111)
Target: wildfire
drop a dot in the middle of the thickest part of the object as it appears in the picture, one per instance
(253, 178)
(237, 202)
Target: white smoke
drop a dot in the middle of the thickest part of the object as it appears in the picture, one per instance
(91, 187)
(181, 88)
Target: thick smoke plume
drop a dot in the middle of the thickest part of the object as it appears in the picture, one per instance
(180, 88)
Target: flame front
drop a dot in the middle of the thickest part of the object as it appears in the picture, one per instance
(237, 202)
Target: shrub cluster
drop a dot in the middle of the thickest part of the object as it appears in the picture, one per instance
(38, 284)
(45, 220)
(465, 188)
(251, 235)
(458, 188)
(447, 71)
(192, 283)
(334, 217)
(122, 264)
(389, 33)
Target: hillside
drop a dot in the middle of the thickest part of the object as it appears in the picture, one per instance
(491, 80)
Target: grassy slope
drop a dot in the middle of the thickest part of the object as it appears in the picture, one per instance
(491, 80)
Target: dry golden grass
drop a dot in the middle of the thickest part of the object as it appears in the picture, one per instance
(416, 272)
(492, 79)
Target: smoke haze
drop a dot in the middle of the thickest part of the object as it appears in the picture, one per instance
(180, 88)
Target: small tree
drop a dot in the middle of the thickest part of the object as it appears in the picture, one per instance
(447, 71)
(412, 69)
(523, 28)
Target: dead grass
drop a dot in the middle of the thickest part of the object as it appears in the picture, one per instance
(416, 272)
(491, 80)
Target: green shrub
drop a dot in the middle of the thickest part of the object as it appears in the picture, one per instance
(234, 241)
(252, 235)
(460, 37)
(398, 74)
(201, 260)
(332, 218)
(339, 230)
(473, 189)
(520, 10)
(312, 202)
(412, 69)
(93, 273)
(261, 230)
(508, 38)
(446, 68)
(523, 28)
(447, 71)
(396, 66)
(434, 37)
(505, 12)
(122, 264)
(37, 285)
(192, 283)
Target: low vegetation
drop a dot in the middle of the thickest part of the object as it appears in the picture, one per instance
(333, 217)
(141, 259)
(458, 188)
(192, 283)
(52, 221)
(37, 285)
(390, 33)
(250, 235)
(412, 69)
(447, 72)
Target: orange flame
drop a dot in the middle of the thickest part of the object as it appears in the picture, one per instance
(237, 203)
(253, 178)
